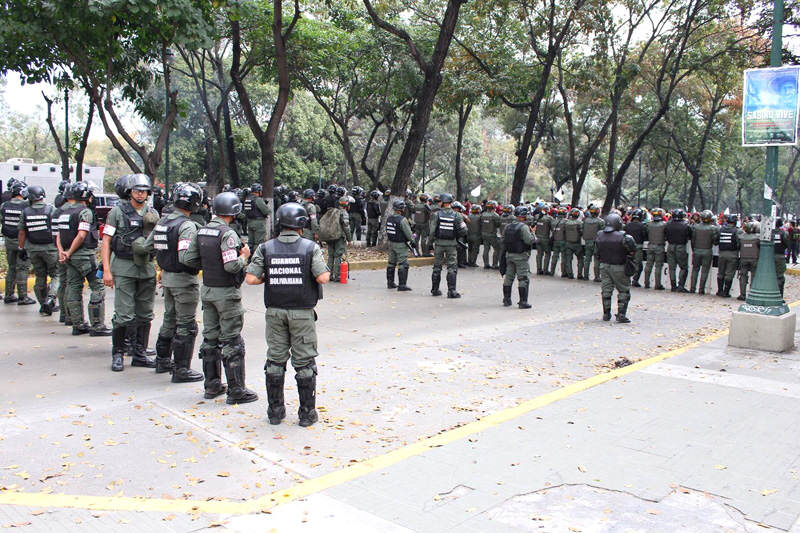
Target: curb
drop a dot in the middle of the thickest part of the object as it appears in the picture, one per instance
(31, 281)
(793, 271)
(380, 264)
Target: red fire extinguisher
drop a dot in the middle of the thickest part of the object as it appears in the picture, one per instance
(344, 270)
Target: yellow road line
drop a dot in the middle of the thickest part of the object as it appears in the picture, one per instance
(338, 477)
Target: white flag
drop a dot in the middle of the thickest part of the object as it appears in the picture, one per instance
(727, 210)
(476, 191)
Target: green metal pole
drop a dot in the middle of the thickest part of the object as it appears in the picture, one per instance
(764, 297)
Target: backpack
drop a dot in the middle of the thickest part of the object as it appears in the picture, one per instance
(329, 227)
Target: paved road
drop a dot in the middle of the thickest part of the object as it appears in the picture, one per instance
(398, 367)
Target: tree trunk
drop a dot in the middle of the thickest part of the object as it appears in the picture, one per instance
(62, 153)
(463, 117)
(230, 150)
(81, 151)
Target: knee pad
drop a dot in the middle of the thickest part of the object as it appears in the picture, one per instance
(97, 297)
(274, 369)
(523, 280)
(307, 371)
(191, 327)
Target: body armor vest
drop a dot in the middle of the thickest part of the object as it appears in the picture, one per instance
(250, 210)
(165, 242)
(357, 207)
(677, 232)
(543, 227)
(637, 230)
(487, 224)
(307, 206)
(703, 237)
(209, 241)
(777, 239)
(68, 228)
(288, 281)
(748, 246)
(474, 225)
(373, 210)
(610, 248)
(559, 233)
(122, 243)
(11, 212)
(571, 231)
(421, 214)
(393, 231)
(512, 238)
(656, 232)
(445, 227)
(591, 227)
(728, 241)
(39, 224)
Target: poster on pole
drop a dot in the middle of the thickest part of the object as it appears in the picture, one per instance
(771, 106)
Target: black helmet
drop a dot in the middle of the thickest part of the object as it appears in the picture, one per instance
(613, 223)
(638, 214)
(120, 187)
(341, 191)
(375, 194)
(187, 196)
(62, 186)
(574, 213)
(678, 214)
(658, 213)
(707, 215)
(423, 197)
(36, 193)
(446, 198)
(227, 204)
(521, 211)
(508, 208)
(320, 194)
(256, 187)
(308, 193)
(292, 215)
(138, 182)
(458, 206)
(332, 188)
(387, 192)
(731, 219)
(293, 196)
(80, 190)
(399, 205)
(475, 209)
(18, 188)
(357, 191)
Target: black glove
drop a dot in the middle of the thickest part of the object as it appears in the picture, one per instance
(22, 253)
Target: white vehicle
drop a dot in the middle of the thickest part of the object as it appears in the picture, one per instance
(46, 175)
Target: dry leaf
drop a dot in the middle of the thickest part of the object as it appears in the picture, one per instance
(223, 474)
(767, 492)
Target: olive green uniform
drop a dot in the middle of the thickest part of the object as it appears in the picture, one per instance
(780, 238)
(338, 247)
(728, 261)
(544, 243)
(490, 225)
(704, 236)
(655, 252)
(518, 264)
(614, 277)
(134, 284)
(61, 293)
(313, 220)
(559, 243)
(591, 226)
(398, 251)
(373, 222)
(505, 220)
(82, 266)
(749, 245)
(18, 268)
(44, 260)
(473, 238)
(422, 218)
(445, 248)
(257, 221)
(573, 229)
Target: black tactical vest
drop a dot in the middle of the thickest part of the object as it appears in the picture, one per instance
(677, 232)
(610, 248)
(543, 227)
(39, 224)
(421, 214)
(591, 227)
(68, 224)
(373, 209)
(165, 242)
(656, 232)
(777, 239)
(288, 281)
(445, 226)
(10, 213)
(209, 241)
(122, 243)
(727, 239)
(512, 238)
(749, 246)
(251, 210)
(393, 230)
(703, 236)
(636, 229)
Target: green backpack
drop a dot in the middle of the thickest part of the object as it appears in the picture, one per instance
(329, 227)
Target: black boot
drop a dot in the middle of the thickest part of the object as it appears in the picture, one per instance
(402, 277)
(118, 348)
(276, 410)
(163, 355)
(682, 281)
(212, 369)
(139, 348)
(506, 295)
(726, 293)
(606, 309)
(720, 286)
(25, 300)
(48, 306)
(182, 350)
(390, 284)
(436, 278)
(307, 391)
(451, 285)
(622, 308)
(238, 393)
(96, 315)
(80, 329)
(10, 299)
(523, 298)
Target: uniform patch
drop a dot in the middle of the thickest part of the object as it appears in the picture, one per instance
(85, 226)
(183, 244)
(231, 242)
(229, 255)
(107, 230)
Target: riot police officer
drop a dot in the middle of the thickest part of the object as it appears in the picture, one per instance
(398, 232)
(749, 247)
(473, 234)
(311, 230)
(170, 241)
(61, 197)
(704, 236)
(638, 230)
(678, 233)
(18, 263)
(292, 271)
(446, 227)
(781, 241)
(132, 275)
(517, 242)
(422, 218)
(36, 238)
(218, 250)
(728, 256)
(559, 242)
(490, 225)
(614, 249)
(256, 210)
(373, 218)
(544, 242)
(356, 212)
(591, 227)
(573, 229)
(656, 231)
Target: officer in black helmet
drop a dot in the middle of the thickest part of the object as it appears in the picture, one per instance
(36, 231)
(517, 243)
(169, 242)
(292, 270)
(18, 261)
(398, 232)
(61, 197)
(257, 211)
(728, 255)
(445, 228)
(638, 230)
(357, 212)
(614, 249)
(311, 231)
(374, 214)
(219, 251)
(678, 233)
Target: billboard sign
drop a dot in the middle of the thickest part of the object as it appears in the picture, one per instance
(771, 106)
